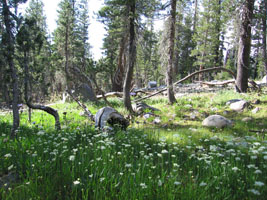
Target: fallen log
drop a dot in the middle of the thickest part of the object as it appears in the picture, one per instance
(188, 77)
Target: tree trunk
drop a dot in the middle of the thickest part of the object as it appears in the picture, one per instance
(195, 16)
(264, 36)
(9, 56)
(169, 74)
(131, 58)
(117, 85)
(244, 46)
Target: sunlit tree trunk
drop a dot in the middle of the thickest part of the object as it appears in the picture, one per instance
(244, 46)
(264, 36)
(169, 75)
(131, 58)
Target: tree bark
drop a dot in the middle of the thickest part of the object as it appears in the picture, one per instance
(117, 85)
(195, 16)
(169, 75)
(244, 46)
(264, 36)
(131, 58)
(9, 56)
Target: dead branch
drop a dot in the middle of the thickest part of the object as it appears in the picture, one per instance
(110, 94)
(47, 109)
(188, 77)
(216, 83)
(89, 114)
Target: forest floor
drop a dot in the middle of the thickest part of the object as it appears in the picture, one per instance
(165, 155)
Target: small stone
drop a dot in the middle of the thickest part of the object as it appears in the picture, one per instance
(157, 120)
(217, 121)
(214, 109)
(193, 116)
(147, 115)
(188, 106)
(255, 110)
(239, 105)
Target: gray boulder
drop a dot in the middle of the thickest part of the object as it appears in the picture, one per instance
(217, 121)
(239, 105)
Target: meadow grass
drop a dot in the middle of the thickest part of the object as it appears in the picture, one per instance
(176, 158)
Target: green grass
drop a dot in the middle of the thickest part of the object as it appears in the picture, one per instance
(175, 159)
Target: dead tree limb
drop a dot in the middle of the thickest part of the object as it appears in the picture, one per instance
(216, 83)
(89, 114)
(110, 94)
(47, 109)
(187, 77)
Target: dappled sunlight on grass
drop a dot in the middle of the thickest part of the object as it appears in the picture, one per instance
(174, 157)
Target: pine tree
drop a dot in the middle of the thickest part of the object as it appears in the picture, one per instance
(10, 20)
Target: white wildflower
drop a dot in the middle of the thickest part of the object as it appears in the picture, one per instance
(258, 171)
(202, 184)
(10, 167)
(235, 169)
(128, 165)
(213, 148)
(8, 155)
(164, 151)
(237, 158)
(259, 183)
(160, 183)
(177, 183)
(143, 185)
(40, 133)
(71, 158)
(256, 192)
(76, 182)
(253, 157)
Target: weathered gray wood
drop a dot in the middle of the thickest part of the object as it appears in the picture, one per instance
(109, 116)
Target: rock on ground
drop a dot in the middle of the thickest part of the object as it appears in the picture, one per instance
(217, 121)
(239, 105)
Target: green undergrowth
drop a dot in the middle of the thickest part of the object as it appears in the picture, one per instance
(174, 157)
